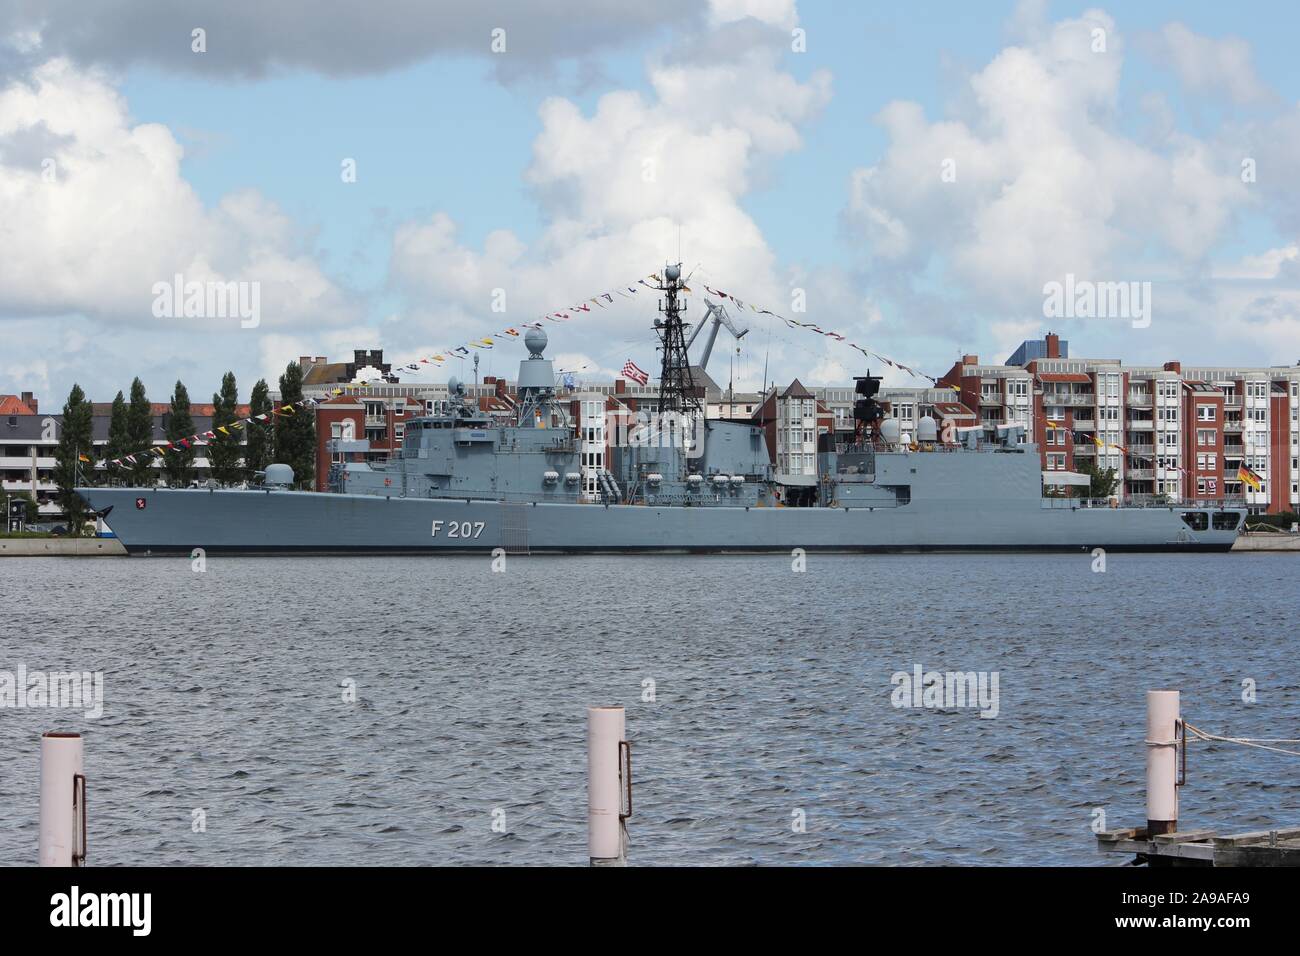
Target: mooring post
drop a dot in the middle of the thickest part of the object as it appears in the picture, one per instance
(605, 834)
(63, 801)
(1163, 713)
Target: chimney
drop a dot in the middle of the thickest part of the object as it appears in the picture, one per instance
(620, 386)
(501, 389)
(1053, 345)
(1174, 367)
(970, 360)
(30, 401)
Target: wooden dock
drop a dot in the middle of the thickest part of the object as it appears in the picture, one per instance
(1279, 847)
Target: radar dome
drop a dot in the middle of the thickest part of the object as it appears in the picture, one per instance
(673, 272)
(890, 430)
(535, 341)
(927, 429)
(454, 387)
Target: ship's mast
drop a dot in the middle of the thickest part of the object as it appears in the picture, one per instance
(676, 387)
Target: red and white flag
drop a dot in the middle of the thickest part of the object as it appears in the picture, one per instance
(630, 370)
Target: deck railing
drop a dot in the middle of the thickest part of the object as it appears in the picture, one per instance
(1144, 501)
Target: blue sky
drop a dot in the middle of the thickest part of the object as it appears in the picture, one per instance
(444, 134)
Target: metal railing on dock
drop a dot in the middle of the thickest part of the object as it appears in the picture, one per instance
(1160, 842)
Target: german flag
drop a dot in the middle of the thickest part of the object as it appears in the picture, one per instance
(1248, 477)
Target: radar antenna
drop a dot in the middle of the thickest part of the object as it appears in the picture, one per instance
(867, 412)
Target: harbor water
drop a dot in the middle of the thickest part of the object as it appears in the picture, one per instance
(320, 711)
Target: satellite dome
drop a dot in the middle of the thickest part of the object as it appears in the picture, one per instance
(890, 430)
(927, 429)
(673, 272)
(454, 387)
(535, 341)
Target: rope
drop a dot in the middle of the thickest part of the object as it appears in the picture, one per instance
(1257, 742)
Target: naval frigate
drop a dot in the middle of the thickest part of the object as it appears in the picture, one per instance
(672, 480)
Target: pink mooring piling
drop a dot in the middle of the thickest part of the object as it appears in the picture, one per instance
(63, 801)
(1163, 714)
(605, 727)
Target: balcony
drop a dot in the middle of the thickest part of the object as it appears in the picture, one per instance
(376, 421)
(1138, 401)
(1232, 401)
(42, 484)
(1139, 474)
(1072, 399)
(1233, 426)
(1141, 425)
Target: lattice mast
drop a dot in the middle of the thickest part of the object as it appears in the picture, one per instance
(676, 387)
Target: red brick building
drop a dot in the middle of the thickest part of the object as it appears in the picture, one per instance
(379, 422)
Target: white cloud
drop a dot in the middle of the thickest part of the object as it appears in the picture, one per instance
(618, 187)
(1266, 265)
(1045, 181)
(1210, 67)
(105, 214)
(779, 13)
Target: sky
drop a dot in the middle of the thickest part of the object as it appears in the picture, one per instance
(911, 176)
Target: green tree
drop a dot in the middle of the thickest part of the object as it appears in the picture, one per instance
(1101, 484)
(295, 430)
(224, 453)
(260, 445)
(72, 459)
(119, 440)
(139, 432)
(178, 465)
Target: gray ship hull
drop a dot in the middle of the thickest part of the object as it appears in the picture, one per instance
(158, 521)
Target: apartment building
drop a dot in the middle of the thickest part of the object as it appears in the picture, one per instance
(1176, 432)
(792, 420)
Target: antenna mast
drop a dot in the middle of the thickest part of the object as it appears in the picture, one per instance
(676, 387)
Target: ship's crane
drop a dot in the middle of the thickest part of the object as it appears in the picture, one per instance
(719, 317)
